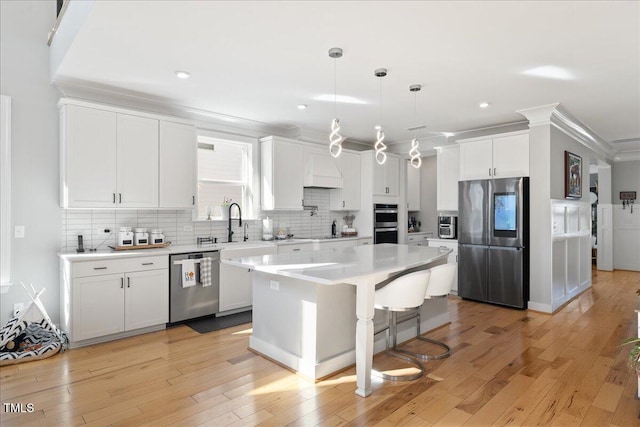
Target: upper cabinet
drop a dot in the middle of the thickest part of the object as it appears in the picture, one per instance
(114, 158)
(137, 164)
(282, 166)
(497, 156)
(413, 188)
(447, 174)
(347, 198)
(386, 176)
(88, 157)
(178, 174)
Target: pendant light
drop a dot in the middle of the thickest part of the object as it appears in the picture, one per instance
(415, 161)
(379, 146)
(335, 139)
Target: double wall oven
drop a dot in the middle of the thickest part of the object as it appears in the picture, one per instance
(385, 223)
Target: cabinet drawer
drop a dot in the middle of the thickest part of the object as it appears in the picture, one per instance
(115, 266)
(417, 238)
(302, 247)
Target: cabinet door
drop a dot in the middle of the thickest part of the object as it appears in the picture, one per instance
(348, 197)
(177, 167)
(235, 287)
(392, 175)
(146, 299)
(476, 160)
(288, 174)
(88, 153)
(379, 178)
(511, 156)
(98, 306)
(413, 188)
(137, 172)
(447, 176)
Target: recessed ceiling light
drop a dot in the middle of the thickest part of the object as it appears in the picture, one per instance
(448, 134)
(483, 105)
(302, 106)
(377, 127)
(181, 74)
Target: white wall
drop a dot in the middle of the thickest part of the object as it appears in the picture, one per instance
(561, 142)
(24, 76)
(428, 215)
(625, 176)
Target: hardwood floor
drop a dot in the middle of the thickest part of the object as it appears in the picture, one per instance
(508, 367)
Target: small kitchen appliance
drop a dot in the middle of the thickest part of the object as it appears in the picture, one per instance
(141, 237)
(385, 227)
(447, 226)
(125, 237)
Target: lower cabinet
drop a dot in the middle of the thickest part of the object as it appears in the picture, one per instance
(236, 292)
(453, 256)
(103, 298)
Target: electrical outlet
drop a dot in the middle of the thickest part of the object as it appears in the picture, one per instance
(274, 284)
(103, 230)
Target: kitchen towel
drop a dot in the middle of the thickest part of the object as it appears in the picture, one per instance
(188, 273)
(205, 272)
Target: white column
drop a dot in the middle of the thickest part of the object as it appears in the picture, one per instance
(365, 293)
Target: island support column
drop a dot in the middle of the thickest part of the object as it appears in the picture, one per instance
(365, 293)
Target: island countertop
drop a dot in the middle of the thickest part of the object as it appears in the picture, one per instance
(344, 265)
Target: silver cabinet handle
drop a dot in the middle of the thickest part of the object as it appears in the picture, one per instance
(119, 197)
(121, 283)
(147, 263)
(296, 249)
(343, 203)
(193, 200)
(489, 171)
(99, 268)
(114, 197)
(494, 171)
(128, 282)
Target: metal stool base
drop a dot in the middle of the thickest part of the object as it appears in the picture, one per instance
(422, 356)
(416, 363)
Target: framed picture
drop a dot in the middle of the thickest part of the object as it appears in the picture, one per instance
(572, 176)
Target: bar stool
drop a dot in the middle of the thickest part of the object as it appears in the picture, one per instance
(439, 286)
(402, 294)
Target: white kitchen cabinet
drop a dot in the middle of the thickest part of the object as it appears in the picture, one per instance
(364, 241)
(386, 176)
(325, 245)
(419, 239)
(103, 300)
(87, 157)
(116, 158)
(497, 156)
(451, 259)
(178, 173)
(236, 292)
(447, 175)
(295, 247)
(347, 198)
(282, 170)
(413, 188)
(137, 164)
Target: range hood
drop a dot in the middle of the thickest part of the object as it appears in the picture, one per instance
(321, 171)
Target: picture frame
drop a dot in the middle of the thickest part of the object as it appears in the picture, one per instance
(572, 176)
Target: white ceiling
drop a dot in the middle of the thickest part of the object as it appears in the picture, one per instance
(258, 60)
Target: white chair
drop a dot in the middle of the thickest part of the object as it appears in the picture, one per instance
(439, 286)
(402, 294)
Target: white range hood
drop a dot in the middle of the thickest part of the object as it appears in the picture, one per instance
(321, 171)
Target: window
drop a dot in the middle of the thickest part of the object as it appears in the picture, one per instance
(224, 176)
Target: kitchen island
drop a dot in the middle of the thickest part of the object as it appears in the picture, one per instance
(305, 305)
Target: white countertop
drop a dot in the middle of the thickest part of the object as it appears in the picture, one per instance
(177, 249)
(343, 265)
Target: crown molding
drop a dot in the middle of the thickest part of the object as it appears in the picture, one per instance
(539, 116)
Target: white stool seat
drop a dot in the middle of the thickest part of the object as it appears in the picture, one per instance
(402, 294)
(439, 286)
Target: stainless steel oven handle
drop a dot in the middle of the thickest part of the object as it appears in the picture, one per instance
(386, 211)
(382, 230)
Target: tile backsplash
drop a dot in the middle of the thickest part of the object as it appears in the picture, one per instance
(179, 228)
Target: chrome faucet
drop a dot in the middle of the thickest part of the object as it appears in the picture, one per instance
(239, 220)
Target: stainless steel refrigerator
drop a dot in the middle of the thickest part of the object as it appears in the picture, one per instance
(493, 239)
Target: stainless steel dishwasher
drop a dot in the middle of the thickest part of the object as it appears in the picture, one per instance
(195, 301)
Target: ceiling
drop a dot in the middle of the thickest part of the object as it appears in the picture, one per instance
(258, 60)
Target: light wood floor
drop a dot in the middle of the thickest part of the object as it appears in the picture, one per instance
(508, 367)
